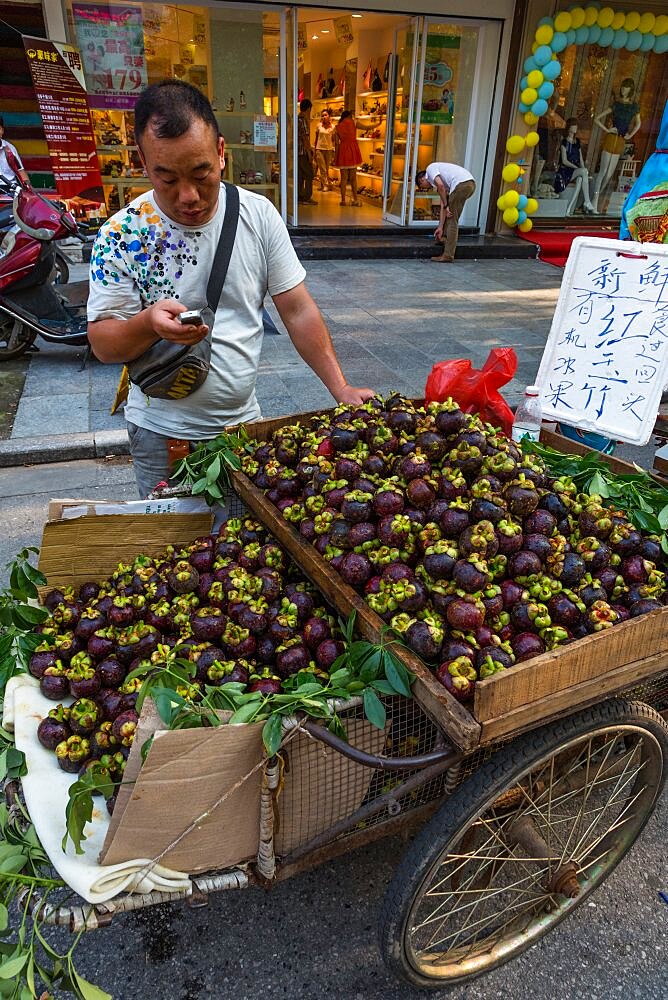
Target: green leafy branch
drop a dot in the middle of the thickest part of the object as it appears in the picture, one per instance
(18, 617)
(206, 469)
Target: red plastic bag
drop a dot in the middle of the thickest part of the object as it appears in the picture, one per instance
(476, 390)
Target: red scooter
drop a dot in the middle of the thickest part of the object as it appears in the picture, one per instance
(30, 305)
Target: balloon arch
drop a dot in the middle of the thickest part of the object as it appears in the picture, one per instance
(578, 26)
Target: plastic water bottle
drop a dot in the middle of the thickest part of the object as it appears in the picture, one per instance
(528, 416)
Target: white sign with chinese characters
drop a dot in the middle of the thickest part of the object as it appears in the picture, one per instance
(606, 359)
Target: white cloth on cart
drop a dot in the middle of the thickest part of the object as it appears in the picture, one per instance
(45, 789)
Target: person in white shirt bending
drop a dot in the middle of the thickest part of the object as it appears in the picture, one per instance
(454, 185)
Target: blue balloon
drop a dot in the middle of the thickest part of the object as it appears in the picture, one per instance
(522, 203)
(581, 35)
(661, 44)
(647, 43)
(552, 70)
(530, 64)
(620, 38)
(559, 41)
(546, 90)
(523, 107)
(521, 216)
(539, 107)
(595, 34)
(607, 34)
(634, 41)
(570, 36)
(524, 83)
(545, 20)
(542, 55)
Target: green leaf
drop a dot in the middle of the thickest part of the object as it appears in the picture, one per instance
(12, 968)
(340, 677)
(31, 615)
(87, 990)
(198, 487)
(34, 575)
(384, 687)
(598, 484)
(272, 734)
(374, 709)
(245, 713)
(397, 675)
(14, 864)
(213, 471)
(4, 917)
(78, 812)
(337, 728)
(663, 517)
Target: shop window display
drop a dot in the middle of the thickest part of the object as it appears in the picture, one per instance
(611, 96)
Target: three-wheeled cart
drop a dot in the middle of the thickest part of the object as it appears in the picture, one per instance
(526, 803)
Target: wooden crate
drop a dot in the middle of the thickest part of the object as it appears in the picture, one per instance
(90, 547)
(512, 701)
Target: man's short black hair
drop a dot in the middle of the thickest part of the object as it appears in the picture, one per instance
(305, 105)
(170, 108)
(2, 122)
(420, 175)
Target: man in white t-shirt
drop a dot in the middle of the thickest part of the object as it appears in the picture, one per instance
(12, 171)
(152, 261)
(454, 185)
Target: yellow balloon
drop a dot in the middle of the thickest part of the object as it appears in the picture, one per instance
(646, 23)
(618, 20)
(605, 16)
(526, 226)
(512, 197)
(535, 78)
(515, 144)
(530, 118)
(562, 21)
(660, 25)
(632, 21)
(510, 172)
(532, 139)
(591, 14)
(534, 46)
(544, 34)
(501, 203)
(531, 206)
(510, 216)
(529, 95)
(577, 17)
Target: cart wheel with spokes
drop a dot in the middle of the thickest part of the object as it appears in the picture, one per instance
(522, 843)
(15, 337)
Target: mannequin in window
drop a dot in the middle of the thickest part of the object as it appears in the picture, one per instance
(620, 122)
(548, 123)
(571, 167)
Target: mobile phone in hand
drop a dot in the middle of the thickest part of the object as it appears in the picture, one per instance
(192, 317)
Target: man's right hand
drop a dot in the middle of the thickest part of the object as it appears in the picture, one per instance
(163, 319)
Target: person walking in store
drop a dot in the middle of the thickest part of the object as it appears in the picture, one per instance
(348, 156)
(455, 185)
(324, 149)
(152, 260)
(305, 154)
(12, 172)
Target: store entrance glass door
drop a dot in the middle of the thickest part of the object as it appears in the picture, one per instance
(400, 132)
(289, 115)
(453, 112)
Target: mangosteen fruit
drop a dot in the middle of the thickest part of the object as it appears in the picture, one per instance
(54, 728)
(465, 614)
(355, 569)
(526, 645)
(53, 683)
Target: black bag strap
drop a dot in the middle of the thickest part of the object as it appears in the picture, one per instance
(221, 260)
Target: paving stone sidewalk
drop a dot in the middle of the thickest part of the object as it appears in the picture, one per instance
(390, 321)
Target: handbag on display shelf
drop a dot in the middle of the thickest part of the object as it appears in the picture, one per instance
(172, 371)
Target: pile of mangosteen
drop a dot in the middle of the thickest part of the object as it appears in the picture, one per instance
(232, 603)
(468, 548)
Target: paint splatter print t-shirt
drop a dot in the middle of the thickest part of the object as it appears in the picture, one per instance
(140, 257)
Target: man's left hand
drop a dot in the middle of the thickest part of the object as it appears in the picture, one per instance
(351, 394)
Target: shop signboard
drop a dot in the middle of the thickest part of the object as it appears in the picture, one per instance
(111, 40)
(58, 79)
(440, 79)
(265, 133)
(302, 42)
(343, 26)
